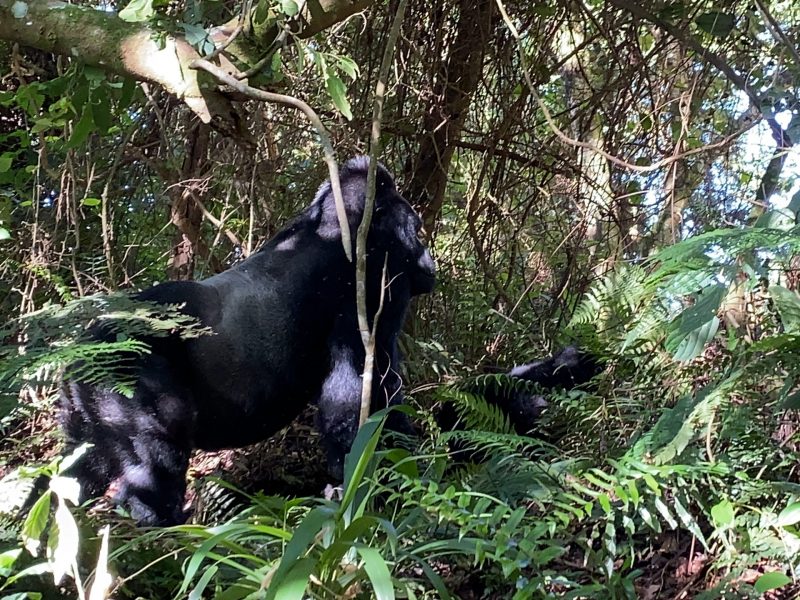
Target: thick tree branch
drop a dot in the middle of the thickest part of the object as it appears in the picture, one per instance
(101, 39)
(325, 140)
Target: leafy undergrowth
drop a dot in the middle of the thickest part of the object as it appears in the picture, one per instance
(672, 474)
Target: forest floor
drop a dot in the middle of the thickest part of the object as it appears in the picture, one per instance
(292, 464)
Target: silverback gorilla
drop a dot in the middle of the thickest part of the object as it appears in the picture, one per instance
(285, 334)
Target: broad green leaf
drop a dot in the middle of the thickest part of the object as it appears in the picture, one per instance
(289, 8)
(360, 456)
(5, 234)
(651, 482)
(94, 74)
(610, 538)
(35, 523)
(647, 517)
(6, 160)
(722, 513)
(7, 560)
(634, 492)
(293, 586)
(42, 124)
(91, 201)
(716, 23)
(262, 12)
(543, 557)
(687, 340)
(198, 38)
(62, 544)
(303, 538)
(663, 509)
(347, 65)
(378, 573)
(82, 128)
(197, 592)
(137, 11)
(789, 515)
(771, 581)
(689, 521)
(338, 93)
(788, 304)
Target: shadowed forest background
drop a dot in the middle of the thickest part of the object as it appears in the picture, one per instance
(615, 174)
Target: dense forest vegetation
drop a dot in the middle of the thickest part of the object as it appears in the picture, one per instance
(607, 173)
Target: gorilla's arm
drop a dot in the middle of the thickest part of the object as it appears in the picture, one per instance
(340, 397)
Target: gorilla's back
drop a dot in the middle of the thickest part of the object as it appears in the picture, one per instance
(268, 355)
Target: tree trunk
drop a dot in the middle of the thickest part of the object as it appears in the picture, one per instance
(445, 115)
(185, 213)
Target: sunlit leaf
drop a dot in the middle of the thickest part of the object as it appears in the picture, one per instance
(788, 304)
(347, 65)
(722, 513)
(338, 93)
(137, 11)
(771, 581)
(789, 515)
(62, 543)
(289, 8)
(696, 325)
(378, 573)
(35, 523)
(197, 592)
(102, 577)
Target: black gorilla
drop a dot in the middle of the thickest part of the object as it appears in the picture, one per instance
(285, 334)
(566, 369)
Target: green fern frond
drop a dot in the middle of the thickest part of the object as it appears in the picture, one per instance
(56, 339)
(475, 412)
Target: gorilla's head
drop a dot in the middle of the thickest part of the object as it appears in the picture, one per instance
(396, 228)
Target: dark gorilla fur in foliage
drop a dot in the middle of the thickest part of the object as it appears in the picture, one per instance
(564, 370)
(285, 334)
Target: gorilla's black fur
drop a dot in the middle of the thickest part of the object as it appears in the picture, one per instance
(285, 334)
(565, 370)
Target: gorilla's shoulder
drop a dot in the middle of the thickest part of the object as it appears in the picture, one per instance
(195, 299)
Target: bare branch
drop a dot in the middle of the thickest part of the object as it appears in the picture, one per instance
(327, 147)
(103, 40)
(367, 335)
(725, 141)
